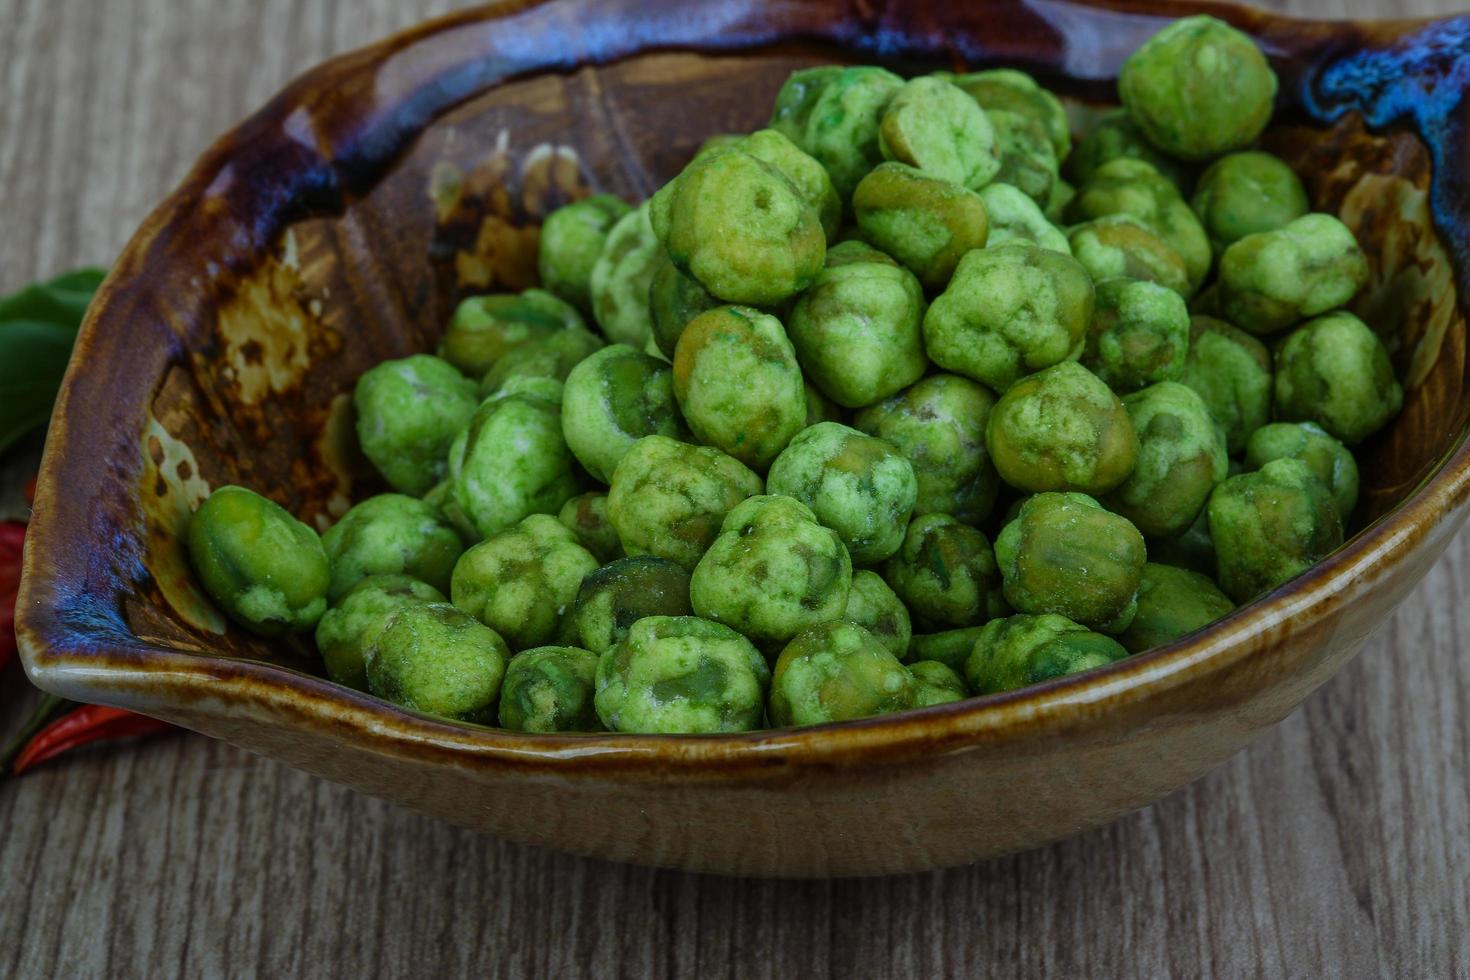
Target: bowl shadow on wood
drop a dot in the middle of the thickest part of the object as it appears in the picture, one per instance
(339, 227)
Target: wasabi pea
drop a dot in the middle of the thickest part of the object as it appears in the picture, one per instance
(946, 573)
(1270, 526)
(1334, 371)
(1172, 602)
(553, 356)
(389, 534)
(486, 328)
(1065, 554)
(681, 675)
(1192, 550)
(1231, 371)
(263, 567)
(1061, 197)
(433, 658)
(938, 424)
(1008, 90)
(1012, 215)
(856, 329)
(668, 498)
(1120, 246)
(936, 684)
(1138, 335)
(522, 582)
(1245, 193)
(612, 399)
(819, 408)
(872, 605)
(808, 176)
(1028, 160)
(353, 624)
(621, 278)
(837, 671)
(550, 689)
(1134, 188)
(1329, 459)
(1181, 458)
(674, 299)
(586, 516)
(859, 486)
(572, 238)
(617, 595)
(408, 413)
(1023, 650)
(1114, 137)
(1272, 279)
(1198, 88)
(1061, 429)
(834, 114)
(925, 223)
(736, 378)
(949, 647)
(934, 126)
(772, 572)
(1009, 311)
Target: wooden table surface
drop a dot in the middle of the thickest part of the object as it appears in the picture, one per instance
(1337, 846)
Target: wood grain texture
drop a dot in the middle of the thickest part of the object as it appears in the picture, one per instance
(1339, 845)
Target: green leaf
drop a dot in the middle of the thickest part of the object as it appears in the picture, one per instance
(38, 326)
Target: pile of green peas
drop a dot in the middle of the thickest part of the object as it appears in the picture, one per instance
(876, 410)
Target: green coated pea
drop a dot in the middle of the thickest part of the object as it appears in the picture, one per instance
(1120, 246)
(925, 223)
(681, 675)
(353, 624)
(408, 413)
(1172, 602)
(949, 647)
(819, 408)
(552, 356)
(1028, 159)
(1334, 371)
(1138, 335)
(486, 328)
(1009, 311)
(1246, 193)
(1012, 215)
(674, 299)
(390, 534)
(1008, 90)
(572, 238)
(1328, 458)
(936, 684)
(934, 126)
(945, 572)
(621, 278)
(550, 689)
(1181, 458)
(612, 399)
(1198, 88)
(1113, 137)
(522, 581)
(738, 383)
(433, 658)
(586, 516)
(808, 176)
(875, 607)
(263, 567)
(1231, 371)
(837, 671)
(1023, 650)
(859, 486)
(1272, 279)
(834, 114)
(1134, 188)
(1065, 554)
(617, 595)
(1192, 550)
(1270, 526)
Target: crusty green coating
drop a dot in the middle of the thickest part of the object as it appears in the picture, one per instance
(1231, 371)
(936, 684)
(1172, 602)
(934, 126)
(1028, 160)
(1012, 215)
(1061, 429)
(353, 623)
(621, 277)
(675, 298)
(949, 647)
(804, 171)
(1121, 246)
(388, 534)
(1056, 206)
(946, 573)
(1335, 371)
(834, 114)
(1113, 137)
(861, 487)
(876, 608)
(740, 227)
(1270, 526)
(512, 459)
(553, 356)
(856, 328)
(939, 426)
(737, 381)
(1245, 193)
(837, 671)
(263, 567)
(1138, 335)
(1009, 90)
(1023, 650)
(586, 515)
(617, 595)
(772, 572)
(486, 328)
(1132, 187)
(522, 582)
(1329, 459)
(1009, 311)
(1065, 554)
(669, 498)
(1181, 458)
(925, 223)
(1272, 279)
(681, 675)
(1198, 88)
(612, 399)
(550, 689)
(572, 237)
(408, 412)
(433, 658)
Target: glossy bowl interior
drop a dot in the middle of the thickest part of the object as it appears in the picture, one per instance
(339, 225)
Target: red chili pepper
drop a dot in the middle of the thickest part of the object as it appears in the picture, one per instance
(12, 545)
(88, 724)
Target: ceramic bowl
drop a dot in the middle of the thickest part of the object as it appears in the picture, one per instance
(338, 226)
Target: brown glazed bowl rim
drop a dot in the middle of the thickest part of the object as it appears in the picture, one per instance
(98, 662)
